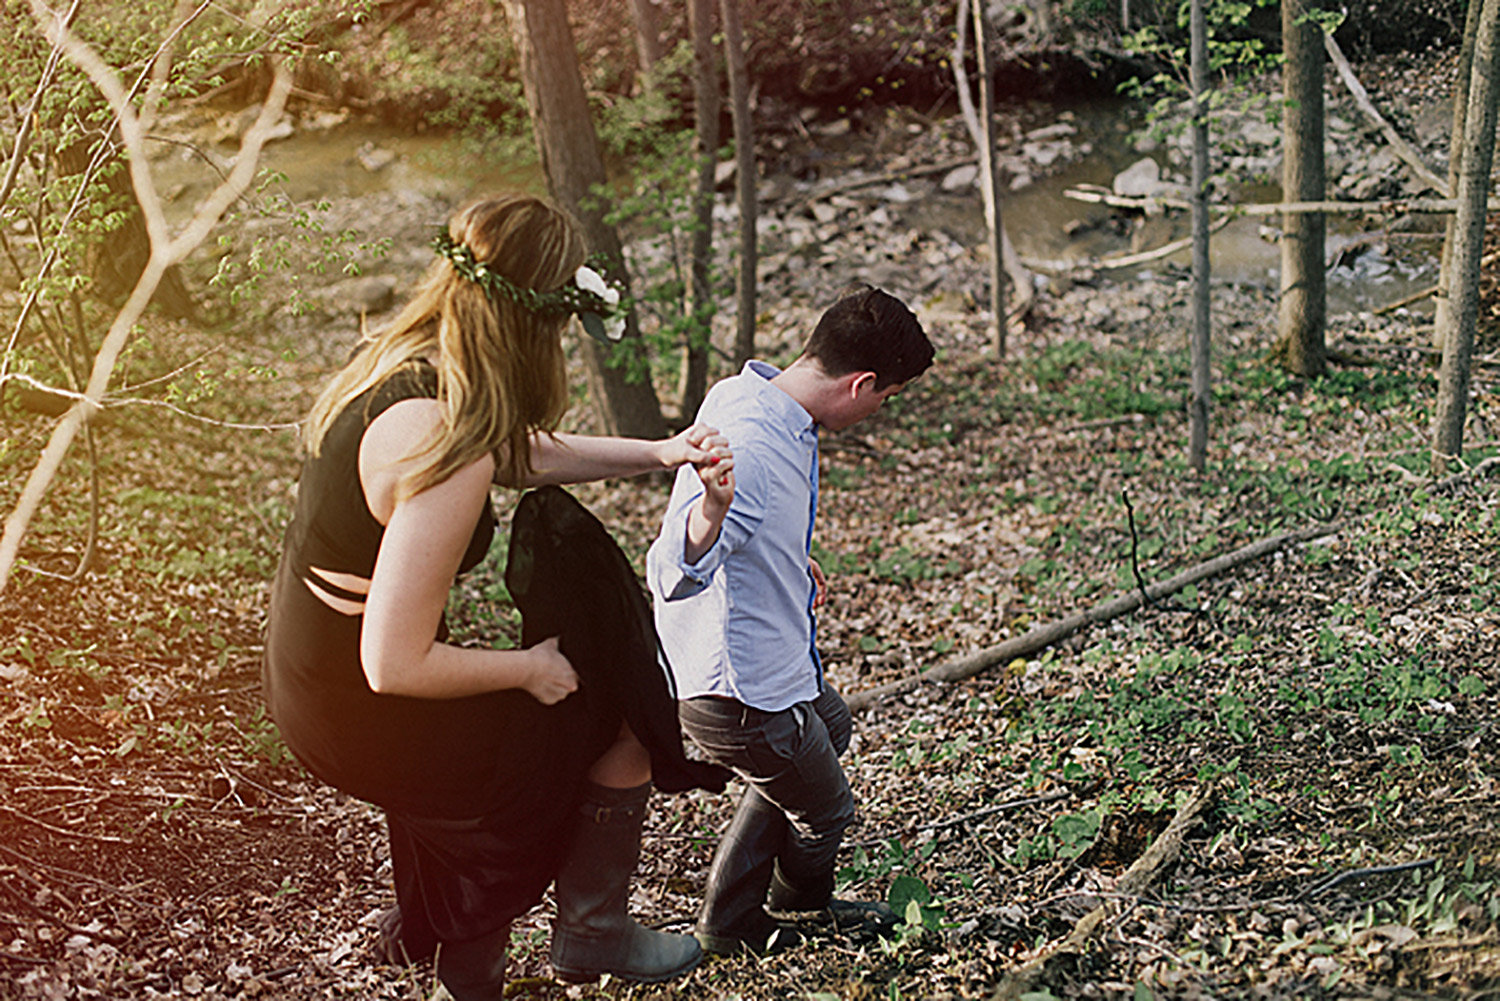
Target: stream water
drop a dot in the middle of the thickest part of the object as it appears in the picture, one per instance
(359, 159)
(1046, 225)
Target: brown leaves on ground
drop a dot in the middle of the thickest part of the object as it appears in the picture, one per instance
(1340, 697)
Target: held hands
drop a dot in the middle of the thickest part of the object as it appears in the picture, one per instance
(717, 473)
(694, 445)
(552, 678)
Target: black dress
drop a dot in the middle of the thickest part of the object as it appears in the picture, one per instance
(480, 792)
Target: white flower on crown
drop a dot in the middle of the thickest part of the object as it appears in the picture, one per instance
(591, 281)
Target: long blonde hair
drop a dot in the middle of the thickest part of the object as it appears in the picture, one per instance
(501, 370)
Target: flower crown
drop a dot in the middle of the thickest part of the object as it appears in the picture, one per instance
(595, 301)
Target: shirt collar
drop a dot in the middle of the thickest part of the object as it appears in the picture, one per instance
(780, 406)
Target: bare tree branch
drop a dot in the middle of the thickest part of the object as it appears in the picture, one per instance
(166, 250)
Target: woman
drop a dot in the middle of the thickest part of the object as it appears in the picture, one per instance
(477, 756)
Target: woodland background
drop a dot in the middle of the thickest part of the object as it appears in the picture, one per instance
(1180, 733)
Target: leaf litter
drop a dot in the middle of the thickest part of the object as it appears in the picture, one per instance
(1335, 701)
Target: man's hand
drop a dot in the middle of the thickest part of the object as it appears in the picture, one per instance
(820, 582)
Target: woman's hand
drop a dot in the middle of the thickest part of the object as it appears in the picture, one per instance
(551, 678)
(694, 445)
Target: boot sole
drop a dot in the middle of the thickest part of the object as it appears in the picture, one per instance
(730, 946)
(592, 976)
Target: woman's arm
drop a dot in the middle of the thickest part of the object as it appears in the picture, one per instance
(425, 538)
(574, 458)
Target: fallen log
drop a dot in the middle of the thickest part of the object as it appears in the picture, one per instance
(1399, 145)
(1041, 637)
(1485, 261)
(1126, 261)
(1162, 853)
(1038, 639)
(1390, 206)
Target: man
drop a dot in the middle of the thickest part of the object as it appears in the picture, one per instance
(735, 587)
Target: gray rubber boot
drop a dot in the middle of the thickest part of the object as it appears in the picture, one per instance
(474, 970)
(812, 902)
(594, 933)
(733, 917)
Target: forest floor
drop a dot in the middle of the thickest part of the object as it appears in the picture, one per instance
(1320, 717)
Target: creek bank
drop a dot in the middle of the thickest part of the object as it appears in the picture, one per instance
(893, 201)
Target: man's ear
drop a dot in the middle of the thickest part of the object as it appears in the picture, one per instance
(860, 382)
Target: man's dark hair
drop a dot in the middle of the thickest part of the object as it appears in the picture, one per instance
(868, 330)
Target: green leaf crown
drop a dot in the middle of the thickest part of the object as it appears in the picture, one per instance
(566, 299)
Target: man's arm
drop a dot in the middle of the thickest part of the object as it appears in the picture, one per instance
(706, 521)
(706, 517)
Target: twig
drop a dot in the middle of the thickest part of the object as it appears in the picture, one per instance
(996, 862)
(1376, 870)
(62, 830)
(1135, 568)
(112, 939)
(1101, 424)
(1391, 307)
(1015, 804)
(964, 818)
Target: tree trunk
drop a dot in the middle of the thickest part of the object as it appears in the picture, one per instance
(1304, 303)
(1457, 337)
(745, 173)
(1201, 388)
(1441, 319)
(1016, 276)
(989, 178)
(120, 254)
(625, 400)
(648, 47)
(701, 303)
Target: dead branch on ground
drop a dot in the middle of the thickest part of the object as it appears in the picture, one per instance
(1390, 206)
(1127, 261)
(1162, 853)
(1035, 640)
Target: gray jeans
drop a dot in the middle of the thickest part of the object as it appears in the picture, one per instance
(791, 758)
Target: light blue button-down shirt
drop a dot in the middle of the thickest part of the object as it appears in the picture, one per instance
(739, 622)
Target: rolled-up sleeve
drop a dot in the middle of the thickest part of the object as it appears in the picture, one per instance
(669, 574)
